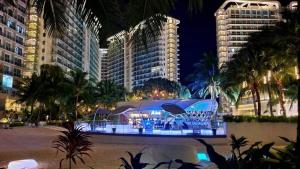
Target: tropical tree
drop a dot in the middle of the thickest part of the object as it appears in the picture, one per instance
(245, 71)
(51, 76)
(74, 144)
(28, 92)
(206, 77)
(184, 92)
(158, 88)
(108, 94)
(78, 85)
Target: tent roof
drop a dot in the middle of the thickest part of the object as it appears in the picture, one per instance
(187, 104)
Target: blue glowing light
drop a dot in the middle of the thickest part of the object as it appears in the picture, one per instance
(202, 157)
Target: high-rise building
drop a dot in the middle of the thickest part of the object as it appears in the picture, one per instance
(92, 56)
(12, 47)
(77, 48)
(236, 19)
(130, 63)
(103, 64)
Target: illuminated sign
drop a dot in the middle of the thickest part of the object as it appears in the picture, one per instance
(7, 81)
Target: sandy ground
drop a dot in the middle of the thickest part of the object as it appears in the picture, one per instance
(36, 143)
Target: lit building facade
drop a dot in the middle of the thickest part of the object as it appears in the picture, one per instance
(92, 56)
(12, 47)
(103, 64)
(116, 59)
(131, 64)
(236, 19)
(76, 49)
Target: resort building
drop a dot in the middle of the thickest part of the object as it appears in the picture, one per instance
(76, 49)
(92, 60)
(103, 64)
(12, 47)
(131, 63)
(236, 19)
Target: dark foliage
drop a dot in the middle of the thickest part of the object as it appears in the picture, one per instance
(255, 156)
(74, 144)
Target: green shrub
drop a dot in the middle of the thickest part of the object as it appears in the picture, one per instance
(272, 119)
(55, 123)
(17, 124)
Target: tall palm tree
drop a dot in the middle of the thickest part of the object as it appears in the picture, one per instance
(280, 61)
(28, 92)
(206, 77)
(246, 69)
(298, 66)
(78, 85)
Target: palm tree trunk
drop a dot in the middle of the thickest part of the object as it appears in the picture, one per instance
(76, 102)
(257, 99)
(281, 96)
(70, 163)
(270, 100)
(298, 127)
(31, 111)
(254, 102)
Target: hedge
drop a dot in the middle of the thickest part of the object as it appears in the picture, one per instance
(273, 119)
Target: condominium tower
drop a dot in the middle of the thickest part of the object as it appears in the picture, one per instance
(12, 40)
(236, 19)
(103, 64)
(75, 49)
(131, 63)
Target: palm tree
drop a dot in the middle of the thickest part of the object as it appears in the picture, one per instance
(74, 144)
(206, 77)
(28, 92)
(51, 76)
(246, 70)
(78, 85)
(298, 98)
(109, 94)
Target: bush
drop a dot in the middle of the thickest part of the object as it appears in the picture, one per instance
(55, 123)
(272, 119)
(16, 124)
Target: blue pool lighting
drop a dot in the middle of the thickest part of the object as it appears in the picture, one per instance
(202, 157)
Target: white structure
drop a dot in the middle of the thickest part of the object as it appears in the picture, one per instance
(236, 19)
(131, 64)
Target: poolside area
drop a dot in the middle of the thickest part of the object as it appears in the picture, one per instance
(173, 117)
(127, 129)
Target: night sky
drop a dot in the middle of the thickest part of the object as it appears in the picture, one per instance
(197, 34)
